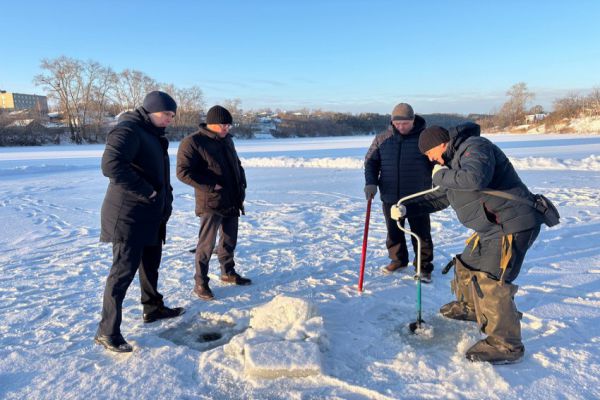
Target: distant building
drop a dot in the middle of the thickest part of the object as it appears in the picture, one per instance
(19, 101)
(531, 118)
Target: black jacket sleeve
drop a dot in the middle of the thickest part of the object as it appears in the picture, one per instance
(476, 169)
(427, 204)
(372, 164)
(122, 146)
(192, 168)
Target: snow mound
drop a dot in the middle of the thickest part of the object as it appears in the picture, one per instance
(287, 317)
(284, 338)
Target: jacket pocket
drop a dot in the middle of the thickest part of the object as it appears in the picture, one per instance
(213, 200)
(490, 215)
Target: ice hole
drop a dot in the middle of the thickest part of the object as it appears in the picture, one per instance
(209, 337)
(202, 334)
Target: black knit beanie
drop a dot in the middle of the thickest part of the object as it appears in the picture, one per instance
(431, 137)
(159, 101)
(218, 115)
(403, 112)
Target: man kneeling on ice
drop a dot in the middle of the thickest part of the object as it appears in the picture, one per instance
(467, 166)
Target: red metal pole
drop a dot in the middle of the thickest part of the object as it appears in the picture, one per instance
(363, 256)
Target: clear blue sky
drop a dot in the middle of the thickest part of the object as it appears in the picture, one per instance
(356, 56)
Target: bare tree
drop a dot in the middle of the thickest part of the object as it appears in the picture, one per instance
(593, 101)
(190, 104)
(244, 123)
(233, 106)
(513, 111)
(131, 88)
(537, 109)
(92, 83)
(102, 102)
(62, 81)
(80, 88)
(569, 106)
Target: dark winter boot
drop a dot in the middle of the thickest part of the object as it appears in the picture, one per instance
(394, 266)
(163, 312)
(498, 317)
(425, 277)
(113, 343)
(234, 277)
(204, 292)
(487, 350)
(462, 309)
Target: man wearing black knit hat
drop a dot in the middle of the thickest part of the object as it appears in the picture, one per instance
(207, 161)
(395, 165)
(135, 212)
(475, 177)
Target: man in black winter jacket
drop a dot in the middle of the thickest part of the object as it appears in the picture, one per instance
(395, 164)
(135, 212)
(207, 161)
(467, 166)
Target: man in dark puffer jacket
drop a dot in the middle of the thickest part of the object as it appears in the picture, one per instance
(135, 212)
(504, 230)
(207, 161)
(395, 164)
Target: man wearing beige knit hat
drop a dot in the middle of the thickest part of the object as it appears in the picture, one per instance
(395, 165)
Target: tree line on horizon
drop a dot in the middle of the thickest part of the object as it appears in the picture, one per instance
(513, 112)
(86, 93)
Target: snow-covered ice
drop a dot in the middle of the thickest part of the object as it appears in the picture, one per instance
(300, 240)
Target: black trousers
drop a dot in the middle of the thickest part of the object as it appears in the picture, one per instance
(486, 255)
(210, 225)
(127, 259)
(396, 241)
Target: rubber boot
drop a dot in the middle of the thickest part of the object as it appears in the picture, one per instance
(462, 309)
(498, 317)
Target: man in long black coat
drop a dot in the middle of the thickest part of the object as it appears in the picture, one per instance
(136, 208)
(207, 161)
(468, 165)
(395, 165)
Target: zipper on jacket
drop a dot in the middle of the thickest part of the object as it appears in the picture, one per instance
(398, 167)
